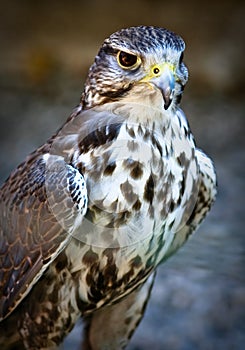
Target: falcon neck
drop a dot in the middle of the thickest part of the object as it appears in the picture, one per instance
(145, 99)
(143, 105)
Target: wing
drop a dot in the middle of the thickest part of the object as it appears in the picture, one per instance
(40, 205)
(43, 202)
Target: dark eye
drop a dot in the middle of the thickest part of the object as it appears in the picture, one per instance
(127, 60)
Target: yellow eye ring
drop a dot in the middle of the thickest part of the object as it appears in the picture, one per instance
(128, 60)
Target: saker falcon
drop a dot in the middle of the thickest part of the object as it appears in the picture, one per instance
(87, 217)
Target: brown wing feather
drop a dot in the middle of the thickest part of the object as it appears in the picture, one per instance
(31, 235)
(31, 224)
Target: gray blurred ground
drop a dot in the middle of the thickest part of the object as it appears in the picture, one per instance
(198, 301)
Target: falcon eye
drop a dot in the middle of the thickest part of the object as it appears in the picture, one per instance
(127, 60)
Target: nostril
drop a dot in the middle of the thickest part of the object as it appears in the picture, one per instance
(156, 70)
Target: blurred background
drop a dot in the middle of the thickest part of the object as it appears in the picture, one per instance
(46, 47)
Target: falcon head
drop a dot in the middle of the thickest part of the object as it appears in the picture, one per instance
(137, 55)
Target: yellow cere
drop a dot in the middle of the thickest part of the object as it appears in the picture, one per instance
(157, 70)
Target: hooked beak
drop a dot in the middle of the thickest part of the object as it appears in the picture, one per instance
(166, 83)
